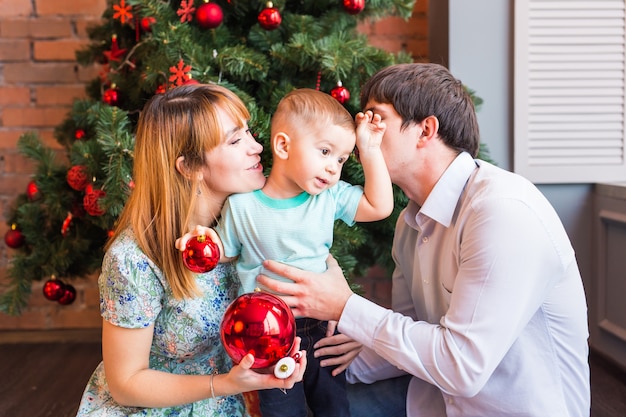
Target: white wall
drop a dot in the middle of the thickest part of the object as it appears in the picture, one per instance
(479, 53)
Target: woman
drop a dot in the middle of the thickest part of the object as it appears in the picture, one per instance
(161, 348)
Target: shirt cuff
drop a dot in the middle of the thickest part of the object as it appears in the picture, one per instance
(360, 319)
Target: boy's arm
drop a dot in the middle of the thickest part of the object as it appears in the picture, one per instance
(377, 200)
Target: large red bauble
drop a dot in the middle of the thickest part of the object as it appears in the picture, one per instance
(270, 17)
(340, 93)
(201, 254)
(53, 289)
(69, 295)
(259, 323)
(14, 238)
(209, 15)
(353, 6)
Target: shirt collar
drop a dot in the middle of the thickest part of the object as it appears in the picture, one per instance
(442, 200)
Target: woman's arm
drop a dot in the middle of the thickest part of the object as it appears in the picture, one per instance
(126, 353)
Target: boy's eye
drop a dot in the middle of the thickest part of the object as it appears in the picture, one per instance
(325, 152)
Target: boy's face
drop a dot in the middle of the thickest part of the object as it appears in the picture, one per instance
(317, 155)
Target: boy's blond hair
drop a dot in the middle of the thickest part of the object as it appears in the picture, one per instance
(309, 108)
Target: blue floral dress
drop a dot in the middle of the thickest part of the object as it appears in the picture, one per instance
(134, 294)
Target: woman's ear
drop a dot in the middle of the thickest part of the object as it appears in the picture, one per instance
(184, 170)
(280, 145)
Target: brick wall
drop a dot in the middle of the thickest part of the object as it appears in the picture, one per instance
(39, 80)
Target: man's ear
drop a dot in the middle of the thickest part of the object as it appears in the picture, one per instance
(430, 129)
(280, 145)
(184, 170)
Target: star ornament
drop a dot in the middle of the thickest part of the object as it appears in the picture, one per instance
(115, 54)
(123, 12)
(180, 73)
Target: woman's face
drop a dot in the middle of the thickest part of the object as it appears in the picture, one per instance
(234, 166)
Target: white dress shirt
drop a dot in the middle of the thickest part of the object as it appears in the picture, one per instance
(489, 305)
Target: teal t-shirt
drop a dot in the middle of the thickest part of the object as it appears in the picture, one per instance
(297, 231)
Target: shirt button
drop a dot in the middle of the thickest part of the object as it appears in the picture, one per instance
(450, 401)
(425, 239)
(426, 282)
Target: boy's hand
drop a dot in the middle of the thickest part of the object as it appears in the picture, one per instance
(369, 130)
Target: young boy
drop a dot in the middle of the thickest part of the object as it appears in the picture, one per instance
(291, 219)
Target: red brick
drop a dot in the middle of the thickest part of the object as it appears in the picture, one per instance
(14, 50)
(14, 96)
(9, 8)
(50, 27)
(57, 50)
(40, 73)
(17, 164)
(59, 95)
(33, 116)
(70, 7)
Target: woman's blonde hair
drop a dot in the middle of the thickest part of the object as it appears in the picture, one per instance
(182, 122)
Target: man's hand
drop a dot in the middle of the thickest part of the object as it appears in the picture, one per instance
(316, 295)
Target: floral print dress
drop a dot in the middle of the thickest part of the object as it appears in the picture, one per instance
(134, 294)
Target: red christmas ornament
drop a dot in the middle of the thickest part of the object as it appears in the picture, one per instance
(13, 237)
(69, 295)
(79, 134)
(77, 177)
(111, 96)
(91, 202)
(261, 324)
(209, 15)
(146, 23)
(340, 93)
(353, 6)
(65, 227)
(270, 17)
(201, 254)
(53, 289)
(32, 191)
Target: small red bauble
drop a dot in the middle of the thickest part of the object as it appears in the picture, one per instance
(91, 202)
(111, 96)
(146, 23)
(259, 323)
(209, 15)
(69, 295)
(340, 93)
(353, 6)
(14, 238)
(270, 17)
(201, 254)
(77, 177)
(32, 191)
(79, 134)
(53, 289)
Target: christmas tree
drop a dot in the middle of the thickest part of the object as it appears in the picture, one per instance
(260, 50)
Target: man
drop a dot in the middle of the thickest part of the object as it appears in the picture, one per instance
(489, 313)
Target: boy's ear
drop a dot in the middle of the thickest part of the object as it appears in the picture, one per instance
(280, 145)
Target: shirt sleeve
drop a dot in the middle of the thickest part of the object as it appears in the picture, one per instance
(347, 198)
(505, 270)
(130, 291)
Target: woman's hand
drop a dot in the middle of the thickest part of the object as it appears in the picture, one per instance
(242, 378)
(339, 349)
(181, 242)
(317, 295)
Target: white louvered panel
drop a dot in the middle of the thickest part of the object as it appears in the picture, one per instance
(570, 90)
